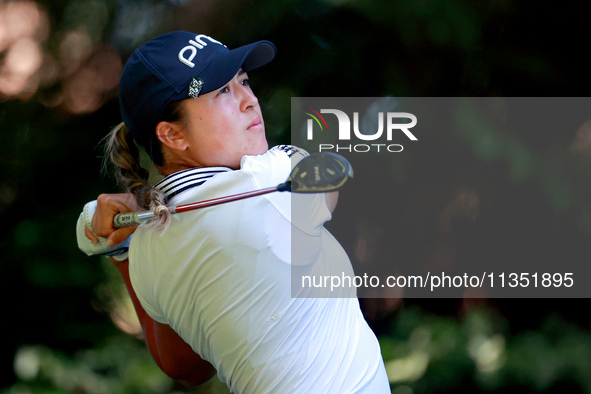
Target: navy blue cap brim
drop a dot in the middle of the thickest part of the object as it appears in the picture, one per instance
(225, 65)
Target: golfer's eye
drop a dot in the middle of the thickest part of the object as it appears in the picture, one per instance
(245, 82)
(225, 89)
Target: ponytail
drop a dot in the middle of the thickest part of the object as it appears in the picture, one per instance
(123, 155)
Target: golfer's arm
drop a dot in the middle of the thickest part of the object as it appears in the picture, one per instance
(172, 354)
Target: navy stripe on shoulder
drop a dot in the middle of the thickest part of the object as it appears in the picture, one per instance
(176, 191)
(186, 179)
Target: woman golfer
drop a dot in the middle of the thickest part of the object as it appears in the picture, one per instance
(212, 287)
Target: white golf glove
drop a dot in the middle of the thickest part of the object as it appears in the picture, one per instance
(118, 252)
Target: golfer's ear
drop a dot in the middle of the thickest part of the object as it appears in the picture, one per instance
(171, 135)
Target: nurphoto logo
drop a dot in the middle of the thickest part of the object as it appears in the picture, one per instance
(389, 125)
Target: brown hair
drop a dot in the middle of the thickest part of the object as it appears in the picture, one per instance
(123, 155)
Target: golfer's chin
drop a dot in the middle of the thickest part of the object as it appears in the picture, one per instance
(259, 146)
(253, 149)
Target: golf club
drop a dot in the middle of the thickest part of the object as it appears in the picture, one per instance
(318, 173)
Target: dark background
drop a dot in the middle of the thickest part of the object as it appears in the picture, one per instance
(65, 314)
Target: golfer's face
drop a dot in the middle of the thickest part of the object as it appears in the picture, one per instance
(226, 124)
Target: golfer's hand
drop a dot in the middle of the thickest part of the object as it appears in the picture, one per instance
(108, 206)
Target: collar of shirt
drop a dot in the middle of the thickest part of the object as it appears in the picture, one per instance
(183, 180)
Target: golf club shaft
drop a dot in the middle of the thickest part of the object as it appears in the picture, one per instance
(133, 218)
(222, 200)
(317, 173)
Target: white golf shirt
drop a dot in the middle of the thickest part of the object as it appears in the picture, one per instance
(220, 277)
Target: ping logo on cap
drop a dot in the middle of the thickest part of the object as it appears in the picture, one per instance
(193, 46)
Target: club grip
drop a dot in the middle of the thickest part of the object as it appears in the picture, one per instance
(126, 219)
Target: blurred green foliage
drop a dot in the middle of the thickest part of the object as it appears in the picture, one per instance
(477, 352)
(59, 65)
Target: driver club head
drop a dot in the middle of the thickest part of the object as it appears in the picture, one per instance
(320, 172)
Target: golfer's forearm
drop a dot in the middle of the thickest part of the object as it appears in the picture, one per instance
(172, 354)
(146, 322)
